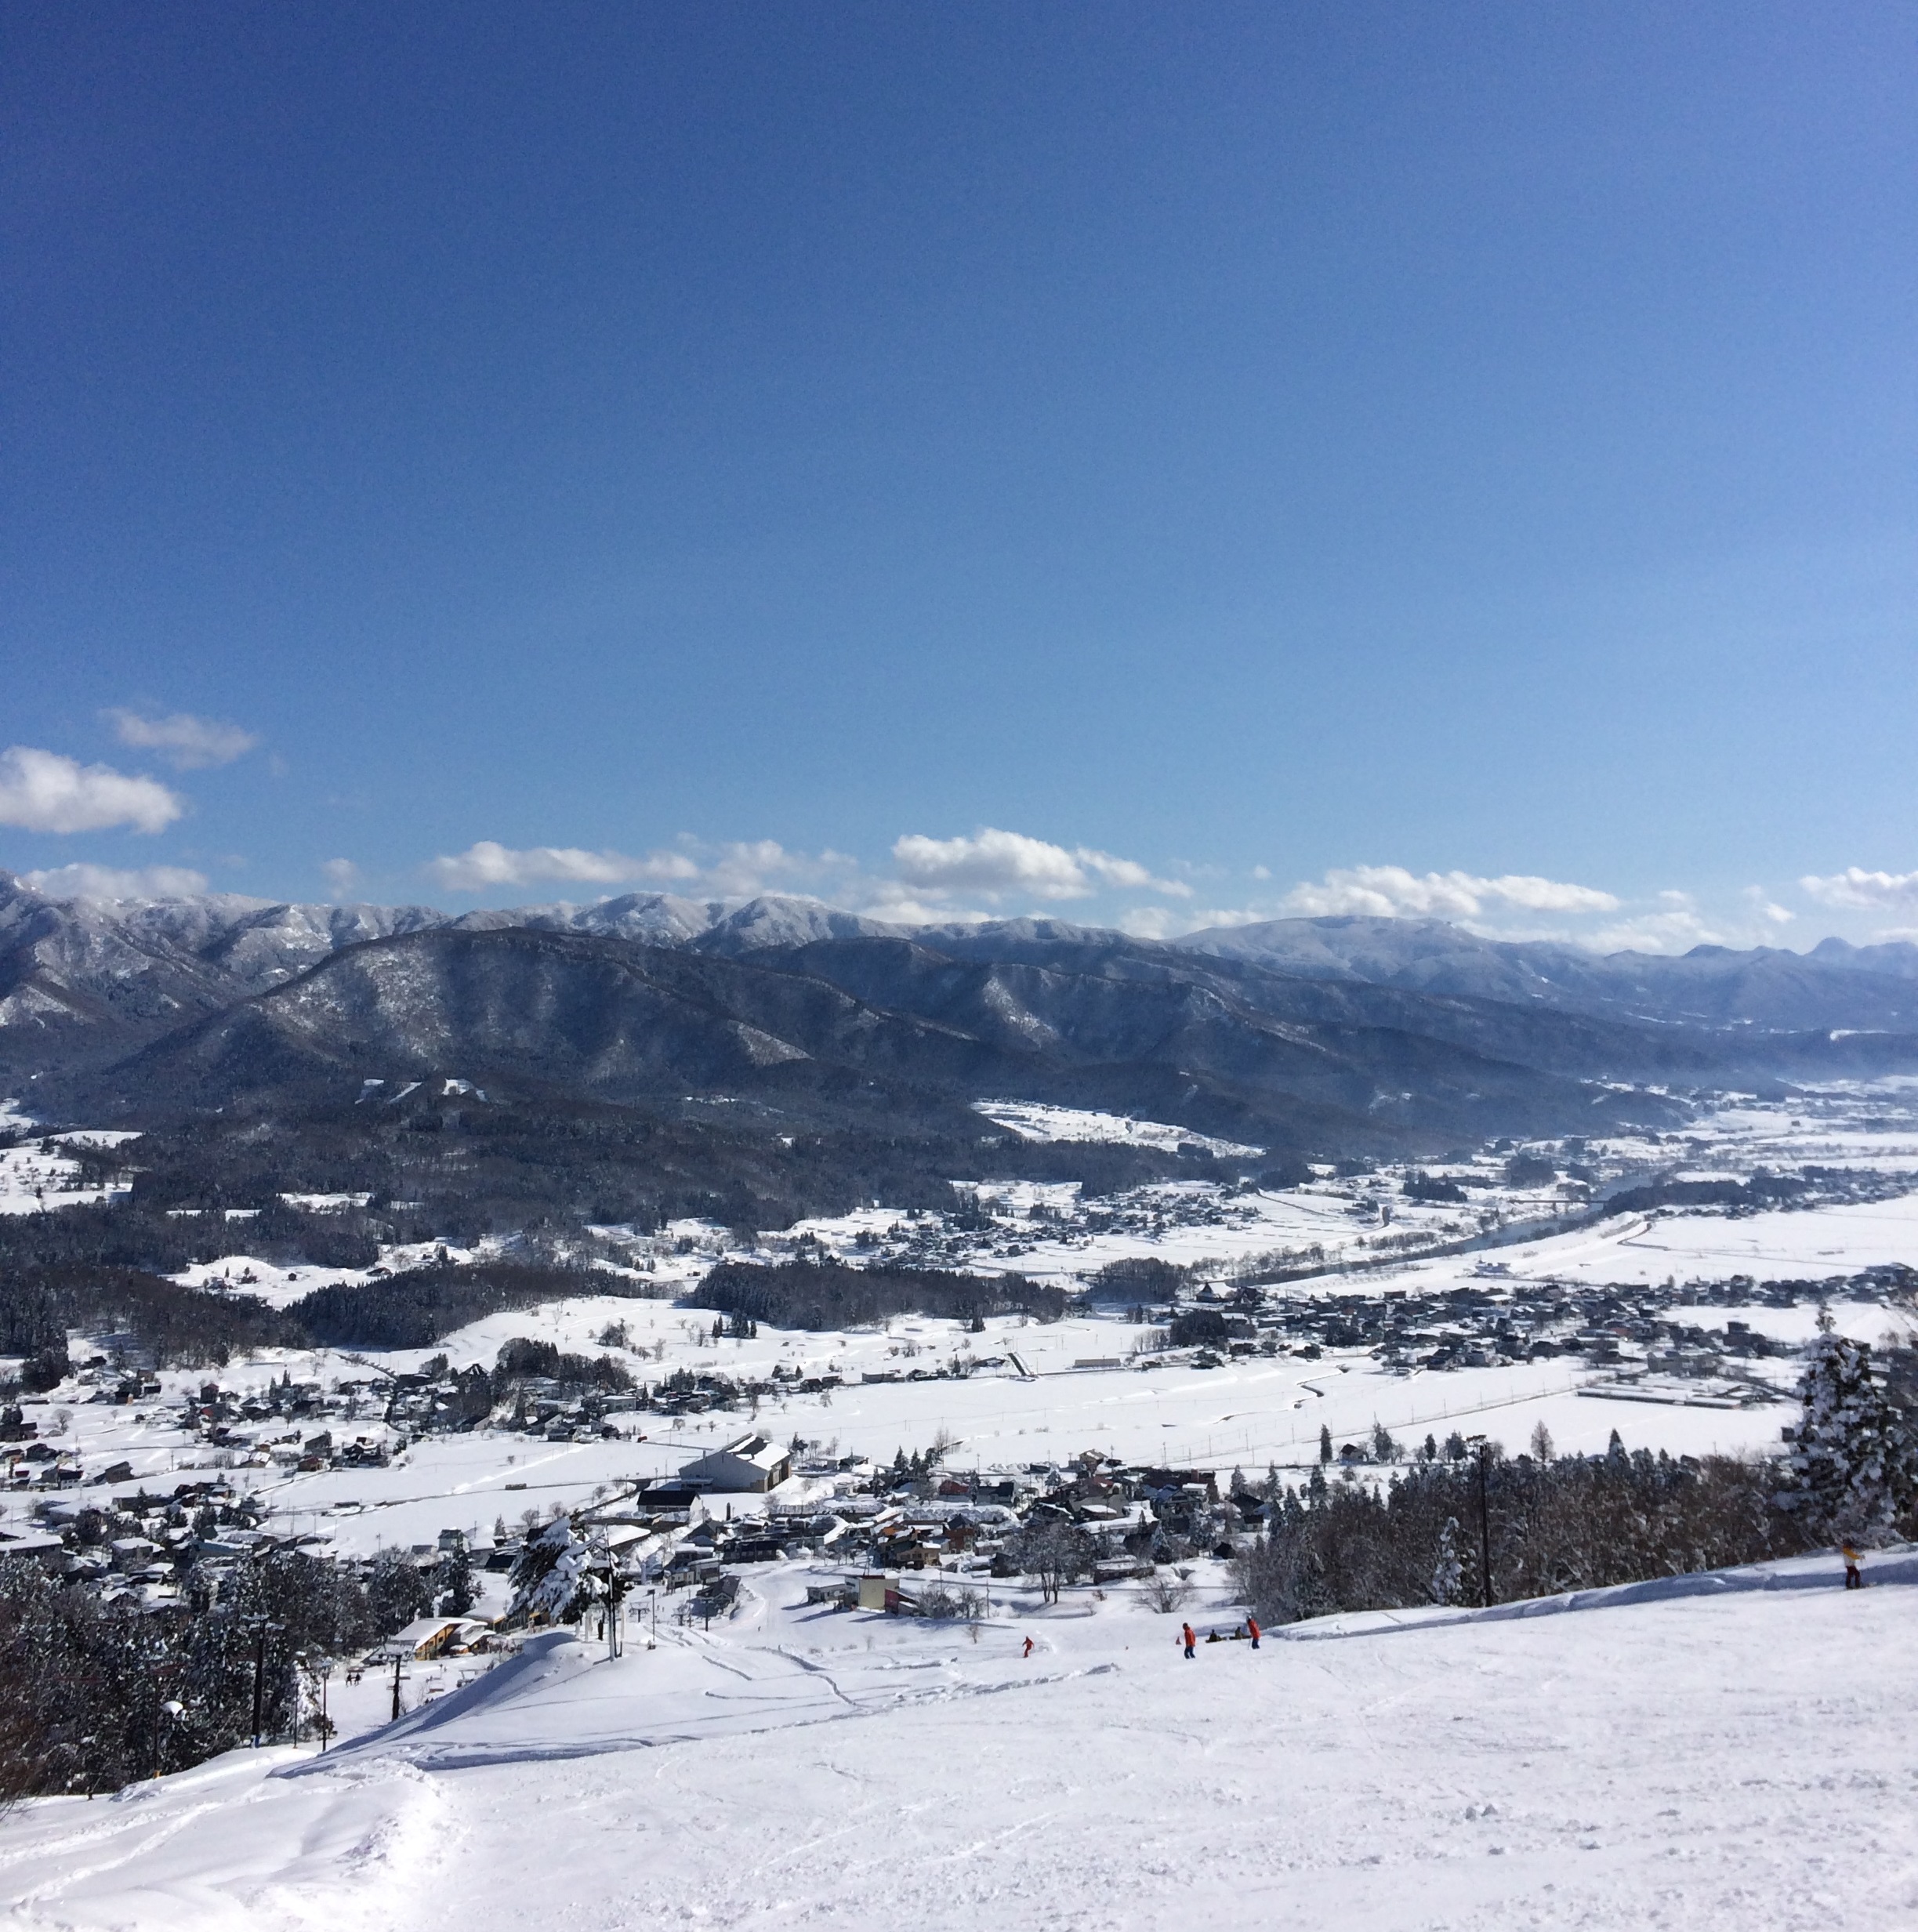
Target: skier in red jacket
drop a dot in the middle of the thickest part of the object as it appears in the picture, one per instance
(1252, 1629)
(1190, 1638)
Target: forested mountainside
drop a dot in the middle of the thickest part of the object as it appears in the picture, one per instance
(808, 1018)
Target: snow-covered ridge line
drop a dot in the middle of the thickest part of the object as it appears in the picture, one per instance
(1822, 1570)
(197, 953)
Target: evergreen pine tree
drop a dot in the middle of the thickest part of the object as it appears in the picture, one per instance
(455, 1580)
(1325, 1442)
(548, 1575)
(1449, 1570)
(1854, 1460)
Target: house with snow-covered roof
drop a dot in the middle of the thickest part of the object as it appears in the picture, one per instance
(427, 1637)
(753, 1462)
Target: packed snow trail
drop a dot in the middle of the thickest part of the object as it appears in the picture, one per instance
(1727, 1763)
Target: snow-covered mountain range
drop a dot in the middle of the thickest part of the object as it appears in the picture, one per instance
(1322, 1033)
(154, 963)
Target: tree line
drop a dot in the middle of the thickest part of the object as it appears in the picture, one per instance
(818, 1295)
(1468, 1524)
(94, 1693)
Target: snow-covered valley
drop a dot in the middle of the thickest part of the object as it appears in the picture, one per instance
(1704, 1753)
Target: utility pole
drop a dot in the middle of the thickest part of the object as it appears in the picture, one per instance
(1484, 1517)
(259, 1626)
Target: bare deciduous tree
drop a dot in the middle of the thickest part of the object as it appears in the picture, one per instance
(1165, 1594)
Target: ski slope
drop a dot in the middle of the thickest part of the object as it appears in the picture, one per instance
(1731, 1761)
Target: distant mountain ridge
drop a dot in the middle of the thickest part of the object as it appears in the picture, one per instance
(128, 966)
(123, 970)
(1325, 1033)
(898, 1033)
(1835, 984)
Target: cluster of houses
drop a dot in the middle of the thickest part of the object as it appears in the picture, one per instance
(142, 1546)
(1497, 1320)
(746, 1504)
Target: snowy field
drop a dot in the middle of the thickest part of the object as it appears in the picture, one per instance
(32, 1181)
(1736, 1762)
(1033, 1120)
(1249, 1412)
(1808, 1244)
(1043, 1394)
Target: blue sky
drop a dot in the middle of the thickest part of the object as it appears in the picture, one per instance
(1136, 463)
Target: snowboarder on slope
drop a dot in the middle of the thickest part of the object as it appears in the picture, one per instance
(1252, 1629)
(1854, 1578)
(1189, 1637)
(1027, 1651)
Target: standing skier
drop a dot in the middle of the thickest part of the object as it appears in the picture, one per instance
(1027, 1651)
(1190, 1638)
(1252, 1629)
(1854, 1577)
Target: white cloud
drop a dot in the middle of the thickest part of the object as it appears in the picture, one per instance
(488, 864)
(740, 869)
(187, 743)
(746, 867)
(886, 900)
(343, 877)
(1392, 892)
(1164, 922)
(1676, 926)
(45, 791)
(107, 882)
(1765, 908)
(1856, 889)
(993, 863)
(1152, 922)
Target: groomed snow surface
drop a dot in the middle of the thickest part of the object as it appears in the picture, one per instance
(1736, 1760)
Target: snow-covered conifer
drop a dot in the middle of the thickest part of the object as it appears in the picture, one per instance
(1449, 1570)
(549, 1579)
(1854, 1457)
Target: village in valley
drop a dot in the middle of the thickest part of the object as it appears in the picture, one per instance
(1118, 1444)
